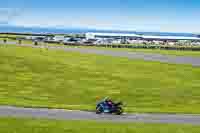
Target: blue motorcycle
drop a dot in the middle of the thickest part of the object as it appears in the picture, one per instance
(115, 108)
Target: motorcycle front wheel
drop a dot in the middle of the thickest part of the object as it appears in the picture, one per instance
(99, 110)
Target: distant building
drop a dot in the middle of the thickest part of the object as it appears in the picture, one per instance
(110, 35)
(58, 38)
(35, 37)
(124, 37)
(136, 41)
(169, 38)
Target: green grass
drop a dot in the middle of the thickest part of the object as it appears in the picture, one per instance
(13, 125)
(27, 42)
(12, 35)
(7, 39)
(57, 79)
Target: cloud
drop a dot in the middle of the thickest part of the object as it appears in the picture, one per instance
(8, 14)
(114, 21)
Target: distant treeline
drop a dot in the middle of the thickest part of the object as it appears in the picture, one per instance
(38, 34)
(12, 37)
(26, 34)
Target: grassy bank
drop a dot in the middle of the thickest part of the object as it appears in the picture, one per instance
(143, 50)
(57, 79)
(156, 51)
(12, 125)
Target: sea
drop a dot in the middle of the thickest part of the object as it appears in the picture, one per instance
(38, 30)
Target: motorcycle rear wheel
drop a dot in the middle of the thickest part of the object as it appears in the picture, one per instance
(119, 111)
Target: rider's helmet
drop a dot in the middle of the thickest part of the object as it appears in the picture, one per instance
(97, 97)
(108, 100)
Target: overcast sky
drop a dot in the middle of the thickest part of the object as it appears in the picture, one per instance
(141, 15)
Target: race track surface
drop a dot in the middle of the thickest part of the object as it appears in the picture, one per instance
(60, 114)
(194, 61)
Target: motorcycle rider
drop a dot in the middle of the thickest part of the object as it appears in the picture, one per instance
(109, 103)
(108, 106)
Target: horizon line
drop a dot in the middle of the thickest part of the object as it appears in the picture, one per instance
(90, 28)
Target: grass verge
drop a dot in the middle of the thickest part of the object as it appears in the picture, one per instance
(13, 125)
(155, 51)
(56, 79)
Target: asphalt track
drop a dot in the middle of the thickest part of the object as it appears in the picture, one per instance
(194, 61)
(60, 114)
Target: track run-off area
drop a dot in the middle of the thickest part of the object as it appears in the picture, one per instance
(61, 114)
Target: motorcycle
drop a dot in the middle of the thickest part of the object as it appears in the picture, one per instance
(103, 107)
